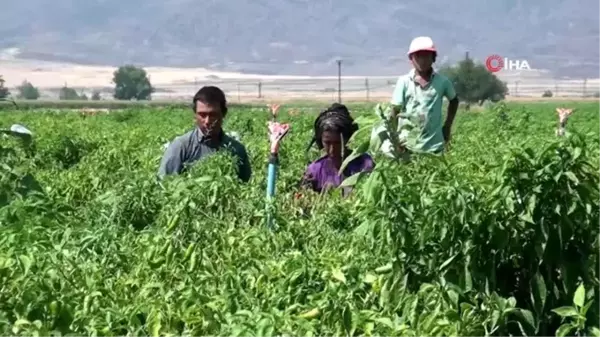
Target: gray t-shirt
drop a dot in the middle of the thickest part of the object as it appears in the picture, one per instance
(194, 146)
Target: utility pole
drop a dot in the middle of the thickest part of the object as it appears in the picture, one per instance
(339, 64)
(367, 87)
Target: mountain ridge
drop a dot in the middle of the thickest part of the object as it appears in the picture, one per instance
(300, 37)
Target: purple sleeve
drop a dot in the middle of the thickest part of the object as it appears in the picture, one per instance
(368, 164)
(309, 179)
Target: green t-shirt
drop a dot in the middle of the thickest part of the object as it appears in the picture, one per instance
(422, 107)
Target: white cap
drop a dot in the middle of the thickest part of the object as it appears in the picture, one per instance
(421, 43)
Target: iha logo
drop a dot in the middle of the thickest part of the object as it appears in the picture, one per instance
(495, 63)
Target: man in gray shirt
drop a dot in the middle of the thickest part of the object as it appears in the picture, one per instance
(210, 107)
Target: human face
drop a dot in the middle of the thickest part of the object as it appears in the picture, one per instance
(209, 118)
(422, 60)
(332, 144)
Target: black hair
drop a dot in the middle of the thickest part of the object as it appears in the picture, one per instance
(336, 118)
(211, 95)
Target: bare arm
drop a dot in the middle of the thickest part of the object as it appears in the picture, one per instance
(452, 97)
(452, 109)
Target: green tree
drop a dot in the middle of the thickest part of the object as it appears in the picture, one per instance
(28, 91)
(67, 93)
(132, 83)
(4, 92)
(474, 83)
(96, 96)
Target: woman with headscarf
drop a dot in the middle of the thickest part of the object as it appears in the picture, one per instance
(332, 130)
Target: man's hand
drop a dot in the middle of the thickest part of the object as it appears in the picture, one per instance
(401, 148)
(446, 129)
(446, 133)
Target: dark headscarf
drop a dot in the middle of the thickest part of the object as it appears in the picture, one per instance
(336, 118)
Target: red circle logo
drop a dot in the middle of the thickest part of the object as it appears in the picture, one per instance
(494, 63)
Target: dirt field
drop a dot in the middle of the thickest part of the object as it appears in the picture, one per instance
(179, 84)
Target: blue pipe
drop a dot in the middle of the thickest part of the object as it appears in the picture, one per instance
(271, 179)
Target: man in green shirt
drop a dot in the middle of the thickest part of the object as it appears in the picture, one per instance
(418, 98)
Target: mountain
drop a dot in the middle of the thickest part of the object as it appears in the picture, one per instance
(302, 37)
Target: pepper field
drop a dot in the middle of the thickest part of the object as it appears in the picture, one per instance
(498, 237)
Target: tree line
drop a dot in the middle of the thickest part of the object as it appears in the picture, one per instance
(131, 83)
(474, 84)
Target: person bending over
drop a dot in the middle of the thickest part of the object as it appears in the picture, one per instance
(332, 130)
(210, 107)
